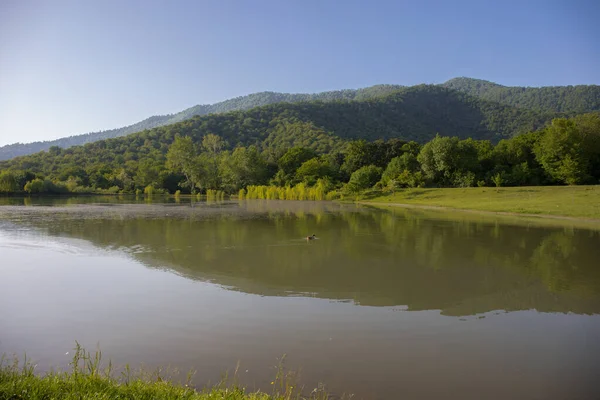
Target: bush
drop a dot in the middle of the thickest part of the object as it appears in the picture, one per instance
(363, 178)
(466, 179)
(8, 182)
(45, 186)
(409, 179)
(333, 195)
(149, 190)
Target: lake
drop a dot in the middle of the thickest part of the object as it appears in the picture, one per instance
(383, 304)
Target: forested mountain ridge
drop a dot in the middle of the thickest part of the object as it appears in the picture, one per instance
(235, 104)
(569, 99)
(417, 113)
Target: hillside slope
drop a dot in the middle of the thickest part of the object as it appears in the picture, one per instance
(568, 99)
(235, 104)
(417, 113)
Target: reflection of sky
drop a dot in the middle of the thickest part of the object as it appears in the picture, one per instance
(54, 291)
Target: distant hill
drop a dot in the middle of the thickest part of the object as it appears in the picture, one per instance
(416, 113)
(235, 104)
(567, 99)
(555, 99)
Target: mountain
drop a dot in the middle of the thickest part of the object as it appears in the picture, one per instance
(545, 100)
(567, 99)
(415, 113)
(238, 103)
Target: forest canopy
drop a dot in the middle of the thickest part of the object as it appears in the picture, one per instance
(184, 158)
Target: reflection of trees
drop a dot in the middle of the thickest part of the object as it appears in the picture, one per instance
(372, 257)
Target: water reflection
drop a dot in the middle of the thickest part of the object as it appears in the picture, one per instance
(371, 257)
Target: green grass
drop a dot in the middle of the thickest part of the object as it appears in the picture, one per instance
(87, 379)
(567, 201)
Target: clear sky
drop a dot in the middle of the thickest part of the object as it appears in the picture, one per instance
(70, 67)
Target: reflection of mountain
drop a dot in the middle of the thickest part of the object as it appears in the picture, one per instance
(372, 257)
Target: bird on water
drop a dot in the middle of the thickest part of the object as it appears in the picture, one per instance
(313, 237)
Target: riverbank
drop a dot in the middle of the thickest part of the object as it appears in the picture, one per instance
(88, 379)
(559, 202)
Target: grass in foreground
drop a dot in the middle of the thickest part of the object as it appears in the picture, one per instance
(568, 201)
(87, 380)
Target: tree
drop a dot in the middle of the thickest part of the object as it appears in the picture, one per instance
(213, 144)
(8, 182)
(405, 162)
(516, 159)
(147, 173)
(359, 153)
(312, 170)
(589, 129)
(181, 157)
(35, 186)
(364, 178)
(293, 159)
(439, 159)
(245, 166)
(498, 179)
(561, 151)
(210, 160)
(100, 175)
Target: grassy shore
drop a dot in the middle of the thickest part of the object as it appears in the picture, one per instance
(87, 379)
(560, 201)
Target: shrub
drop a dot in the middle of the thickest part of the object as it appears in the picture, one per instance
(149, 190)
(363, 178)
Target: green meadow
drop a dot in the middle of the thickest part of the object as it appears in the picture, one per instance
(563, 201)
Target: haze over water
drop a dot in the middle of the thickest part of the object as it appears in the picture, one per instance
(384, 304)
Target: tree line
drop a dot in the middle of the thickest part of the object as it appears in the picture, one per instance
(567, 151)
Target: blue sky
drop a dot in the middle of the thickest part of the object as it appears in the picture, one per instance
(71, 67)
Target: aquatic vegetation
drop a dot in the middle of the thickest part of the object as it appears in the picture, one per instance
(89, 379)
(322, 190)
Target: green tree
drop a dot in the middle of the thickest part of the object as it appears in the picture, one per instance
(561, 151)
(498, 179)
(210, 160)
(35, 186)
(405, 162)
(8, 182)
(293, 159)
(358, 153)
(439, 159)
(364, 178)
(148, 173)
(181, 157)
(245, 166)
(312, 170)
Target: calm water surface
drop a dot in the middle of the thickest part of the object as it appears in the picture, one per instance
(384, 304)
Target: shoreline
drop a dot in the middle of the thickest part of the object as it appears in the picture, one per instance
(588, 222)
